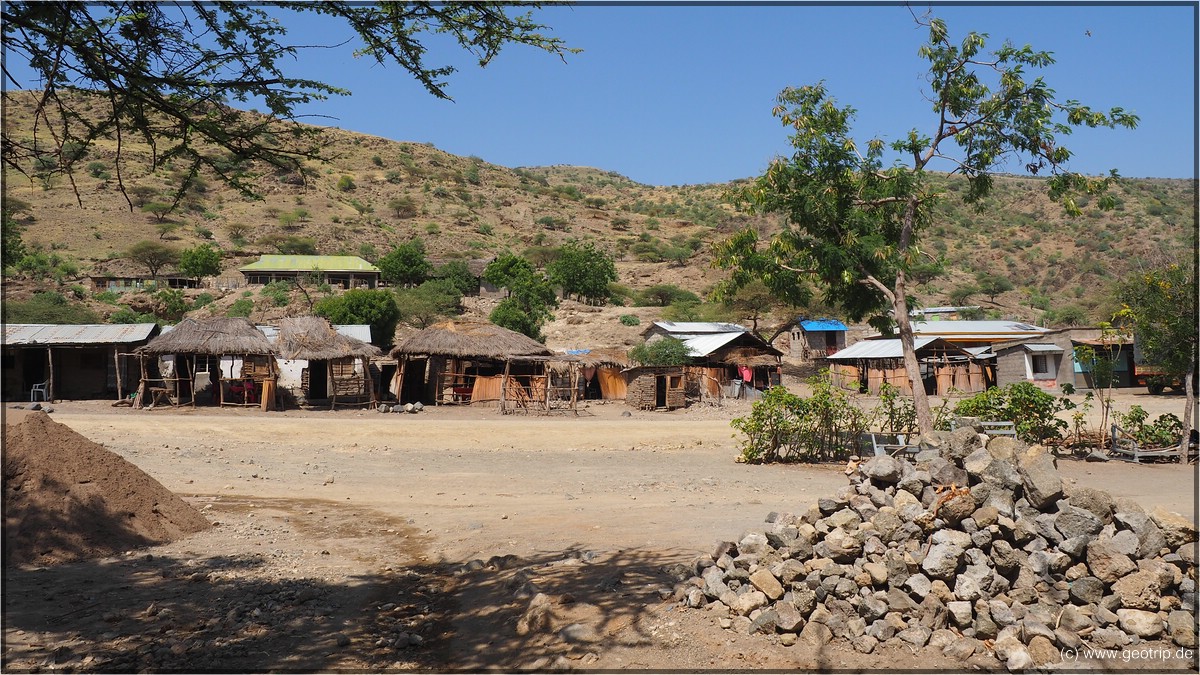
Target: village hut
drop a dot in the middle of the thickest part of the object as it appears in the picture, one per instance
(475, 362)
(223, 360)
(317, 363)
(57, 361)
(598, 372)
(656, 387)
(946, 368)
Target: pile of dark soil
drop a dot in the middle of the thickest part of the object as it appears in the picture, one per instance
(67, 498)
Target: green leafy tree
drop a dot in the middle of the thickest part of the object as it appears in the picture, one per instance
(153, 256)
(10, 238)
(426, 304)
(1160, 305)
(853, 225)
(170, 304)
(961, 294)
(583, 270)
(528, 307)
(665, 351)
(159, 210)
(992, 285)
(169, 73)
(374, 307)
(505, 270)
(404, 207)
(47, 307)
(661, 295)
(752, 303)
(406, 264)
(200, 261)
(458, 274)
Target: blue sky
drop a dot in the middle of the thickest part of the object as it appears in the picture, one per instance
(681, 94)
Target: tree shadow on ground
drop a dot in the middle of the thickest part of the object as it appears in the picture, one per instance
(256, 610)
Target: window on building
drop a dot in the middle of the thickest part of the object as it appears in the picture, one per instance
(1041, 364)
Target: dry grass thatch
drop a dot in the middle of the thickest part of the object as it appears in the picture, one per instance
(215, 337)
(470, 339)
(747, 356)
(313, 339)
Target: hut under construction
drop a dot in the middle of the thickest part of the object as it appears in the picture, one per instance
(221, 361)
(477, 363)
(318, 364)
(946, 368)
(600, 376)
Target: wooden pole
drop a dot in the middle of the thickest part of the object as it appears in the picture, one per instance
(400, 380)
(504, 385)
(117, 365)
(575, 385)
(192, 382)
(50, 379)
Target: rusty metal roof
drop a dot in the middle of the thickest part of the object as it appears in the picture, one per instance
(29, 334)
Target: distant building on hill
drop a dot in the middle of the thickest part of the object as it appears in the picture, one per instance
(345, 271)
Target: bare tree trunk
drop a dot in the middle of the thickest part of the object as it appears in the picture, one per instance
(1189, 422)
(911, 366)
(900, 310)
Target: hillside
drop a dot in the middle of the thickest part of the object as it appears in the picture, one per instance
(374, 193)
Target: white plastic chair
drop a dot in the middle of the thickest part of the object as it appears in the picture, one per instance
(39, 389)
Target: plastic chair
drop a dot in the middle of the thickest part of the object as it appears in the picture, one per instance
(39, 389)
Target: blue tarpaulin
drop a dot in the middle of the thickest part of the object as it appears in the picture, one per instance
(811, 325)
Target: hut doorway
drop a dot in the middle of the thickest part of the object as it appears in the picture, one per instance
(660, 391)
(318, 380)
(413, 385)
(33, 367)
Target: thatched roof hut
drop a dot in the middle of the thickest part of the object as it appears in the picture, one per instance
(312, 338)
(215, 337)
(470, 339)
(475, 362)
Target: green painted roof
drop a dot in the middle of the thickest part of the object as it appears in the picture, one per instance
(308, 263)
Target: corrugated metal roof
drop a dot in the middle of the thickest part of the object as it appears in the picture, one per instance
(76, 334)
(1044, 348)
(821, 324)
(703, 345)
(877, 349)
(975, 329)
(357, 331)
(307, 263)
(699, 327)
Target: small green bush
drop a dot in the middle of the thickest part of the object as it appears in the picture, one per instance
(345, 184)
(242, 307)
(1031, 409)
(629, 320)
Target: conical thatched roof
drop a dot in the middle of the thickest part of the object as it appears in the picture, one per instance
(470, 339)
(215, 337)
(312, 338)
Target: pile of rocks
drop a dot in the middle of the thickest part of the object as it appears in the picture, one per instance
(975, 548)
(401, 408)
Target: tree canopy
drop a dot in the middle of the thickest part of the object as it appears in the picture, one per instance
(1160, 306)
(581, 269)
(153, 256)
(853, 224)
(169, 74)
(374, 307)
(200, 261)
(406, 264)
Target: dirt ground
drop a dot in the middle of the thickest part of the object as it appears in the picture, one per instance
(354, 540)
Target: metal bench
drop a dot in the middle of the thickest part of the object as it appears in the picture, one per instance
(884, 443)
(1126, 448)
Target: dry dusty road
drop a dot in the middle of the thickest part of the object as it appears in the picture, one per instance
(343, 535)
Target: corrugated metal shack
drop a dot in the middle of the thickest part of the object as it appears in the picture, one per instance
(73, 361)
(865, 366)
